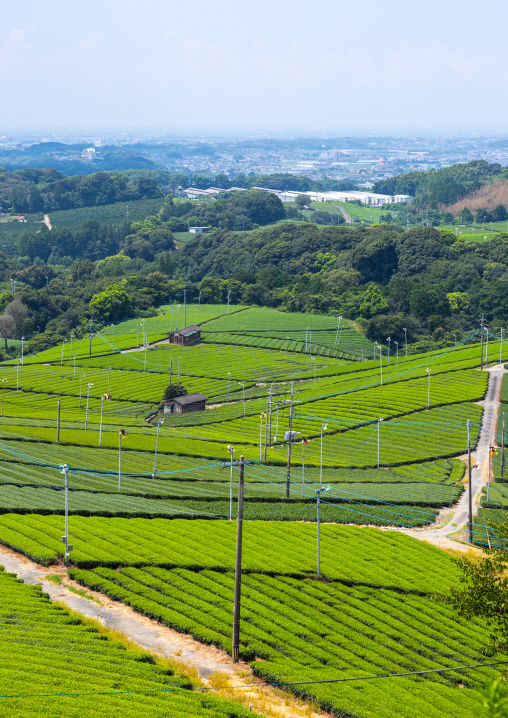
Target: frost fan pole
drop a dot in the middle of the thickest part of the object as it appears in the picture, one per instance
(58, 422)
(469, 476)
(288, 470)
(238, 569)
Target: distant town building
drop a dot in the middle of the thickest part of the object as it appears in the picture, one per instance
(187, 335)
(89, 153)
(199, 230)
(185, 404)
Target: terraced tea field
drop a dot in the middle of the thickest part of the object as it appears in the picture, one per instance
(149, 509)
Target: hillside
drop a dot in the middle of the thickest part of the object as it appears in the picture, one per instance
(489, 196)
(445, 186)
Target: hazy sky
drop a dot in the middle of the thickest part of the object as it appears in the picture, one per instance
(271, 64)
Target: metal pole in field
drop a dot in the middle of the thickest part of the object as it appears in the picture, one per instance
(61, 358)
(405, 338)
(137, 329)
(185, 307)
(109, 381)
(87, 398)
(487, 346)
(288, 469)
(199, 300)
(113, 328)
(381, 363)
(277, 423)
(314, 360)
(66, 537)
(170, 371)
(397, 354)
(81, 390)
(75, 355)
(120, 460)
(17, 375)
(22, 350)
(502, 450)
(72, 337)
(389, 340)
(303, 466)
(90, 347)
(58, 422)
(455, 339)
(243, 387)
(100, 424)
(156, 446)
(318, 495)
(470, 496)
(481, 341)
(144, 365)
(231, 452)
(238, 570)
(428, 390)
(378, 443)
(177, 310)
(323, 427)
(337, 339)
(3, 392)
(179, 369)
(229, 294)
(229, 377)
(268, 434)
(261, 439)
(501, 347)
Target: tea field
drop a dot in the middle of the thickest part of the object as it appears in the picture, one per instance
(77, 671)
(149, 502)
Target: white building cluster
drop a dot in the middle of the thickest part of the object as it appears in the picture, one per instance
(369, 198)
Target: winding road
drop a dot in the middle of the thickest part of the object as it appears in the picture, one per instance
(451, 521)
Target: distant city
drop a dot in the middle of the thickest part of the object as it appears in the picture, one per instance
(362, 159)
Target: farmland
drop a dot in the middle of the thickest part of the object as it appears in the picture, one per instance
(74, 660)
(148, 511)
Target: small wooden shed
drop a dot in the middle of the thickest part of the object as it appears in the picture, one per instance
(185, 404)
(187, 335)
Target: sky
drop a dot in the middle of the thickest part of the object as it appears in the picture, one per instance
(329, 65)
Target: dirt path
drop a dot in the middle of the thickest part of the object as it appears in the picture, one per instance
(453, 521)
(47, 221)
(213, 665)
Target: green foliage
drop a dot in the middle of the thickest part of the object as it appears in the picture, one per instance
(111, 305)
(373, 302)
(173, 390)
(458, 301)
(68, 657)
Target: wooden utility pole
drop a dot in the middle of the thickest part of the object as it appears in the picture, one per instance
(238, 569)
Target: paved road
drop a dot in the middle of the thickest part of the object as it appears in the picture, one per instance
(457, 519)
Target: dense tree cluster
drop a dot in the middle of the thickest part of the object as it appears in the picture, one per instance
(443, 186)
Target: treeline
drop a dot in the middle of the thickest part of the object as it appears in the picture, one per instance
(445, 186)
(80, 191)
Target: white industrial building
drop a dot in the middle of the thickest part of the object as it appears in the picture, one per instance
(369, 198)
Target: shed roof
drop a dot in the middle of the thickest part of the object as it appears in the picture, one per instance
(189, 399)
(187, 331)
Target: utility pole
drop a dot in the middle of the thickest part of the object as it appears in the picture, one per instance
(57, 421)
(288, 471)
(185, 307)
(469, 476)
(238, 569)
(90, 347)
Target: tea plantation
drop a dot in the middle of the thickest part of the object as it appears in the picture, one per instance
(149, 503)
